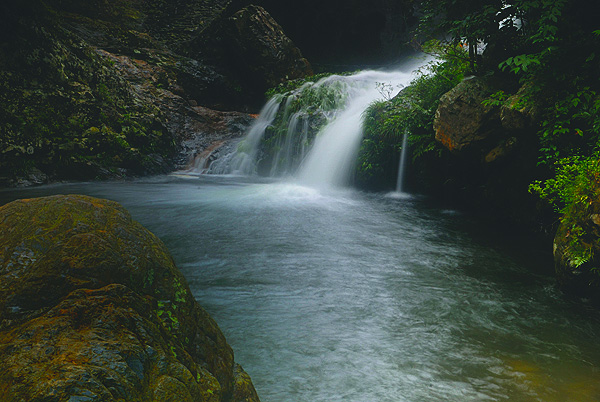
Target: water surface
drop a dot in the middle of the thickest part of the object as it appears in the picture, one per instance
(347, 296)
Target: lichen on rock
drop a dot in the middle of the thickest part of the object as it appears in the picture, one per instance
(92, 306)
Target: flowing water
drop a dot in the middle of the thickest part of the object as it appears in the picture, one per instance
(346, 296)
(313, 133)
(402, 164)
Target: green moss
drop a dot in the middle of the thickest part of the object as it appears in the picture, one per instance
(292, 85)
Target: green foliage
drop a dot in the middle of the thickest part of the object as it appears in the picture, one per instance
(572, 192)
(292, 85)
(571, 125)
(411, 111)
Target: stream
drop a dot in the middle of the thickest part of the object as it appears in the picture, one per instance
(339, 295)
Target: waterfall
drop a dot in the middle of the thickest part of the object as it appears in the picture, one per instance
(243, 160)
(402, 164)
(330, 161)
(313, 133)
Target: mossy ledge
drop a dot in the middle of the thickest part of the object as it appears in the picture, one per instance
(93, 308)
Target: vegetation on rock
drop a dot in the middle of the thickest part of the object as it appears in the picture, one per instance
(92, 306)
(111, 89)
(411, 111)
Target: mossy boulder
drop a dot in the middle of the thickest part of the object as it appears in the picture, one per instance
(92, 307)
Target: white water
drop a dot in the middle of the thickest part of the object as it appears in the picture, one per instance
(331, 159)
(242, 161)
(402, 164)
(328, 160)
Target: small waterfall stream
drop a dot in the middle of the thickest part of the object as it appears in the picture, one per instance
(242, 160)
(313, 133)
(402, 164)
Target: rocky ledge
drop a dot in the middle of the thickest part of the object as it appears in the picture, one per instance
(92, 308)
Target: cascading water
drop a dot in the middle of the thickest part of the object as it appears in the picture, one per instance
(402, 164)
(242, 160)
(313, 133)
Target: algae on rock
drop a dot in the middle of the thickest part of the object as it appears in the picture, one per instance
(92, 305)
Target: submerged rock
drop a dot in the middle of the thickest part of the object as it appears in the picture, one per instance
(92, 307)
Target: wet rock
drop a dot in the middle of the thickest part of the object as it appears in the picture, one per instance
(92, 307)
(461, 120)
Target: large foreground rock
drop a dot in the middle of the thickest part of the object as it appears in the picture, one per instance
(92, 308)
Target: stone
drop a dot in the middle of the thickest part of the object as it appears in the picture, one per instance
(501, 151)
(260, 44)
(92, 307)
(461, 119)
(253, 48)
(517, 113)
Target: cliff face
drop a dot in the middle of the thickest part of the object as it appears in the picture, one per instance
(92, 307)
(112, 88)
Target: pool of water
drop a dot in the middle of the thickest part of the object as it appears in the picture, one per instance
(350, 296)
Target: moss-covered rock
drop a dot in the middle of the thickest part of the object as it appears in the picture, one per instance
(577, 245)
(92, 306)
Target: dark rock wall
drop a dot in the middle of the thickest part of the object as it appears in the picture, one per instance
(101, 89)
(492, 155)
(346, 34)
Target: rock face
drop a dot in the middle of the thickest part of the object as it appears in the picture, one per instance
(92, 307)
(106, 89)
(257, 51)
(261, 45)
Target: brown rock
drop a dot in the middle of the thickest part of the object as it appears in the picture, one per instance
(461, 118)
(92, 307)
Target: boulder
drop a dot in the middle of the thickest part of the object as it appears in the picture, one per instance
(253, 47)
(259, 43)
(462, 120)
(519, 112)
(92, 308)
